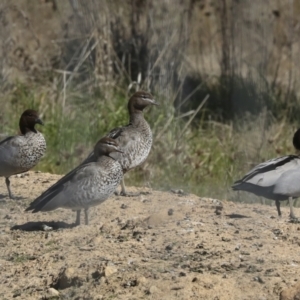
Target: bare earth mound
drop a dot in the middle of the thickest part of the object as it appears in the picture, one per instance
(159, 245)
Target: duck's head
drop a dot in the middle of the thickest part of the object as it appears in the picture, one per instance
(28, 120)
(296, 139)
(140, 100)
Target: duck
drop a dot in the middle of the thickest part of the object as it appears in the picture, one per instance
(20, 153)
(134, 139)
(90, 185)
(276, 179)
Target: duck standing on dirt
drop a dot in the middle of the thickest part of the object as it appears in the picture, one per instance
(90, 185)
(276, 179)
(20, 153)
(135, 139)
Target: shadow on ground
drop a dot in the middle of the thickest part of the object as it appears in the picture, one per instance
(42, 226)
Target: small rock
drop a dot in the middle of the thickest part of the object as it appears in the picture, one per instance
(67, 278)
(153, 289)
(237, 247)
(260, 260)
(291, 293)
(169, 247)
(130, 283)
(176, 288)
(141, 280)
(258, 279)
(46, 227)
(109, 270)
(224, 239)
(170, 212)
(123, 206)
(53, 292)
(218, 210)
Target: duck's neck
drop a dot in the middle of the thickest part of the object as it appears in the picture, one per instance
(136, 116)
(25, 130)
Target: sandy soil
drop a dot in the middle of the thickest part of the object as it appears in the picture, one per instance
(158, 245)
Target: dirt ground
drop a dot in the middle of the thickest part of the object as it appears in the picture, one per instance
(158, 245)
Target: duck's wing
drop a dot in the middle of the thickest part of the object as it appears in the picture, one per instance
(11, 155)
(71, 192)
(267, 173)
(57, 187)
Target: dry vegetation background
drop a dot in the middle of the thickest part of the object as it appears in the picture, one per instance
(224, 71)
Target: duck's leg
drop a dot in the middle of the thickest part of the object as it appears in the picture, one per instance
(7, 181)
(77, 222)
(278, 207)
(292, 215)
(86, 216)
(123, 190)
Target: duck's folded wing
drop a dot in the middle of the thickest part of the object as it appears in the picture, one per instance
(56, 187)
(71, 193)
(10, 155)
(278, 165)
(267, 173)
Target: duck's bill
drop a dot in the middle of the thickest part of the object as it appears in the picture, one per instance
(39, 121)
(154, 102)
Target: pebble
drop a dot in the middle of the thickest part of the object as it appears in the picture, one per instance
(66, 278)
(53, 292)
(46, 227)
(290, 293)
(170, 212)
(109, 270)
(153, 289)
(142, 280)
(169, 247)
(123, 206)
(237, 247)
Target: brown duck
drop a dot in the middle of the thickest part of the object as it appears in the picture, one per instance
(88, 185)
(134, 139)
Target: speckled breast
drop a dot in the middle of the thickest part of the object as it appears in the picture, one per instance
(32, 150)
(138, 152)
